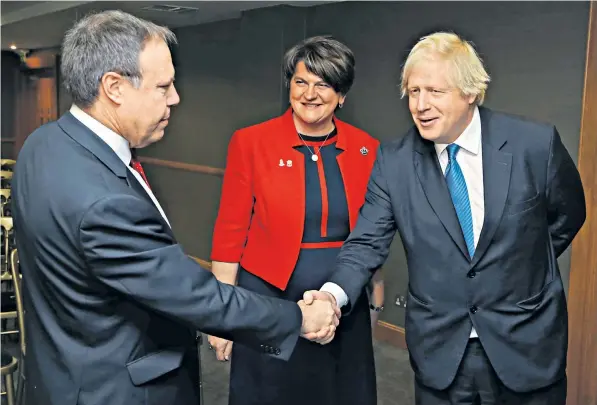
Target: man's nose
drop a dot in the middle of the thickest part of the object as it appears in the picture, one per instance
(422, 103)
(173, 98)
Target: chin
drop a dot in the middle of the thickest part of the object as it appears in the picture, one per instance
(311, 117)
(153, 138)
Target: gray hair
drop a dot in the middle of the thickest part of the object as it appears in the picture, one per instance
(325, 57)
(110, 41)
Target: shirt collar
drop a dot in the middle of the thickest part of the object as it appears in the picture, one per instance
(119, 144)
(470, 139)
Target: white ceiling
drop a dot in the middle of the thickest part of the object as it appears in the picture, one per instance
(42, 24)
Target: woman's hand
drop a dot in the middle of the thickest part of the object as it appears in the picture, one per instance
(222, 347)
(376, 296)
(374, 318)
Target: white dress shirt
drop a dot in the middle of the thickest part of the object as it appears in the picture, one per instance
(470, 160)
(119, 145)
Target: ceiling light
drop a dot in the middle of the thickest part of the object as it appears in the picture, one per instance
(13, 47)
(169, 9)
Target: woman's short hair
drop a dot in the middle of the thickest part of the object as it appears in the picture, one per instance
(110, 41)
(466, 68)
(325, 57)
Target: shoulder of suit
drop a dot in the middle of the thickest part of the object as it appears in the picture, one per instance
(402, 143)
(524, 127)
(267, 128)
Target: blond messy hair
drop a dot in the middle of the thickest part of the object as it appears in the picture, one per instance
(467, 71)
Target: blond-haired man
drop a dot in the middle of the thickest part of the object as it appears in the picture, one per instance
(484, 203)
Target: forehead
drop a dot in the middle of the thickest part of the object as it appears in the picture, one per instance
(429, 72)
(301, 70)
(155, 60)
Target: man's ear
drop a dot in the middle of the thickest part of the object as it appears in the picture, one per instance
(113, 86)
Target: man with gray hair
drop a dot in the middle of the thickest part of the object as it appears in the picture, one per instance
(112, 301)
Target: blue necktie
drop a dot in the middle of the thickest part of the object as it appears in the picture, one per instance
(459, 194)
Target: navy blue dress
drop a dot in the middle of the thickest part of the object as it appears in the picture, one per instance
(343, 371)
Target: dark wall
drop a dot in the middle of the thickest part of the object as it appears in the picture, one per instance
(10, 70)
(10, 75)
(228, 74)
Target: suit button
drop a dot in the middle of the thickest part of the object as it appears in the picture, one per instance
(277, 352)
(471, 274)
(473, 309)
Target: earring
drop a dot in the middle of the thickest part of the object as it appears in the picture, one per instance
(340, 105)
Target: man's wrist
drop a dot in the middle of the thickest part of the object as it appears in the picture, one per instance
(332, 297)
(337, 292)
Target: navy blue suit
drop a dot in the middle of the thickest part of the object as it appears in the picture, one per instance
(511, 290)
(112, 300)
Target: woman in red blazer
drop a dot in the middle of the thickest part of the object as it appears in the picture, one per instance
(292, 190)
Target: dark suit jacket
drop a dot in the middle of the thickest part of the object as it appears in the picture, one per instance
(112, 301)
(262, 209)
(511, 290)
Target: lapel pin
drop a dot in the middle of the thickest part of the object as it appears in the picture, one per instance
(281, 162)
(289, 163)
(364, 151)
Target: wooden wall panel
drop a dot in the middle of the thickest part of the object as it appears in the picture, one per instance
(582, 302)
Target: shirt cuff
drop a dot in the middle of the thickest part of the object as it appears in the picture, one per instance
(337, 292)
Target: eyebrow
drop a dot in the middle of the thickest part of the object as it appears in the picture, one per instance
(167, 83)
(305, 80)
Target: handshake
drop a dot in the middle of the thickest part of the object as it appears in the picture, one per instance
(321, 316)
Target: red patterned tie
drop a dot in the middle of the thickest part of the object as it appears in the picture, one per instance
(136, 164)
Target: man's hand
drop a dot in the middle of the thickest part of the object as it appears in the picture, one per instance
(323, 336)
(319, 320)
(310, 296)
(222, 347)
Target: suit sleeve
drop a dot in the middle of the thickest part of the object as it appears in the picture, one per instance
(367, 247)
(126, 248)
(236, 204)
(566, 209)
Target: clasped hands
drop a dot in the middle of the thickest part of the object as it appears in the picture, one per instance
(321, 316)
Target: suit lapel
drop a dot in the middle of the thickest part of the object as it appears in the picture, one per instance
(292, 198)
(436, 190)
(348, 167)
(93, 143)
(497, 166)
(138, 187)
(347, 175)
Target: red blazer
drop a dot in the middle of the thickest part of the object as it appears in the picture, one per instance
(262, 207)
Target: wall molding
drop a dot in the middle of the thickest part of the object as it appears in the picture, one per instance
(582, 294)
(189, 167)
(389, 333)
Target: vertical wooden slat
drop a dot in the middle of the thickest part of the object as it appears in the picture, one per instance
(582, 302)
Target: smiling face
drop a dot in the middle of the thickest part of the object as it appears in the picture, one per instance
(313, 102)
(440, 111)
